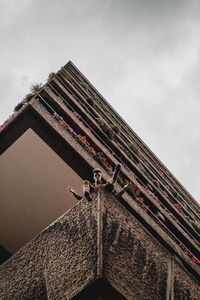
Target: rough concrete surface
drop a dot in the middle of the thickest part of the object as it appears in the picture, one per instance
(186, 286)
(58, 263)
(96, 251)
(134, 261)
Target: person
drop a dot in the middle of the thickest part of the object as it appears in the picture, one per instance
(109, 186)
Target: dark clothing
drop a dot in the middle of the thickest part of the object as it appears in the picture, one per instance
(77, 196)
(109, 186)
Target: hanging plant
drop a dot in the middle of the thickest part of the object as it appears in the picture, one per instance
(100, 122)
(106, 129)
(134, 148)
(174, 193)
(196, 225)
(96, 99)
(51, 75)
(84, 85)
(36, 87)
(18, 106)
(28, 97)
(128, 153)
(90, 100)
(156, 183)
(116, 128)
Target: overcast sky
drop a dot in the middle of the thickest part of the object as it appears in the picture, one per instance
(143, 56)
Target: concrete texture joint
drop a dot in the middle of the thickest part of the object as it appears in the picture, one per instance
(99, 235)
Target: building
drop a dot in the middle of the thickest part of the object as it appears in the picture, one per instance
(145, 245)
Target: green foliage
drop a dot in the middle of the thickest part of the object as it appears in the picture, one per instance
(18, 106)
(84, 85)
(98, 157)
(148, 175)
(128, 153)
(133, 148)
(51, 75)
(106, 129)
(100, 122)
(96, 99)
(90, 100)
(65, 74)
(63, 71)
(174, 193)
(196, 225)
(36, 87)
(116, 128)
(86, 108)
(156, 183)
(28, 97)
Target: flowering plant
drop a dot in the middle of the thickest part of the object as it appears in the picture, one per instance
(132, 189)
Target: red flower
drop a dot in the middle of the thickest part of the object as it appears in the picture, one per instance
(194, 259)
(103, 158)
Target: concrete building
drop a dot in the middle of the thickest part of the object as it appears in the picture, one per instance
(144, 245)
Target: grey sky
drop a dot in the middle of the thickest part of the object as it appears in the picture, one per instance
(143, 57)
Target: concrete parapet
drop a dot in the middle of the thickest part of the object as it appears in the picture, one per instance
(96, 250)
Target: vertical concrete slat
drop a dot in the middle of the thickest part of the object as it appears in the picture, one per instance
(99, 234)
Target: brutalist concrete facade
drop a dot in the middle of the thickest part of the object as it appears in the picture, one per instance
(96, 250)
(141, 246)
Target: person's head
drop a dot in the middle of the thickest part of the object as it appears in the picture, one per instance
(97, 175)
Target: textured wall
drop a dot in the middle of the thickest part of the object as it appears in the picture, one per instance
(186, 286)
(58, 263)
(136, 264)
(101, 248)
(134, 261)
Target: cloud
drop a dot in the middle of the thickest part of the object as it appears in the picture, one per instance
(143, 56)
